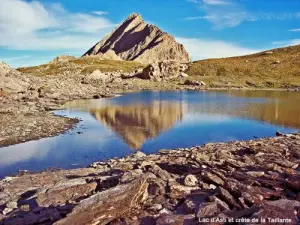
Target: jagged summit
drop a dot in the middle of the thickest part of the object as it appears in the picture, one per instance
(134, 15)
(138, 41)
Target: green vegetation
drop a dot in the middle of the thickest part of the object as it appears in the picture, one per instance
(272, 69)
(93, 64)
(85, 65)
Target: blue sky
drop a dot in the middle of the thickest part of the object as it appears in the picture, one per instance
(34, 32)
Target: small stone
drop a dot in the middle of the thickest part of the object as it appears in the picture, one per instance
(139, 155)
(212, 187)
(159, 172)
(12, 205)
(156, 207)
(175, 220)
(190, 181)
(25, 207)
(229, 198)
(202, 83)
(183, 75)
(8, 179)
(131, 175)
(156, 188)
(211, 178)
(207, 209)
(189, 206)
(221, 204)
(256, 173)
(192, 83)
(165, 211)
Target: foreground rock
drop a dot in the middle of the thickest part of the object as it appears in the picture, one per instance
(108, 205)
(241, 181)
(135, 40)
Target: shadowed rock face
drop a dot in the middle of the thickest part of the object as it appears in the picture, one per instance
(105, 206)
(137, 41)
(137, 123)
(253, 180)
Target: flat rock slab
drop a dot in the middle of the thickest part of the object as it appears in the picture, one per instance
(60, 196)
(14, 187)
(108, 205)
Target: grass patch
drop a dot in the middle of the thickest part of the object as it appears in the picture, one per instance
(281, 68)
(107, 65)
(85, 65)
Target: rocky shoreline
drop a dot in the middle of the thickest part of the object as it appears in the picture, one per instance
(253, 182)
(32, 127)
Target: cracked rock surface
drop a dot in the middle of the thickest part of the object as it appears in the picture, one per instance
(240, 180)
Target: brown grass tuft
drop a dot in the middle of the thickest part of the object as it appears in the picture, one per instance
(281, 68)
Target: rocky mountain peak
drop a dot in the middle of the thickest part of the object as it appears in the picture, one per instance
(135, 16)
(136, 40)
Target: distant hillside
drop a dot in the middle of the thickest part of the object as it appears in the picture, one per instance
(273, 68)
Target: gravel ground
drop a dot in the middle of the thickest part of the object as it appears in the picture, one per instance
(19, 128)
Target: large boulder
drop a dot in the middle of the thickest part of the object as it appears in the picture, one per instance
(163, 70)
(12, 80)
(96, 76)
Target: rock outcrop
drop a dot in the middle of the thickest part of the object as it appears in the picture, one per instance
(62, 59)
(4, 69)
(11, 80)
(138, 41)
(163, 70)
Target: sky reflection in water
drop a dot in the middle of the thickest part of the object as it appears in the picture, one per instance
(149, 121)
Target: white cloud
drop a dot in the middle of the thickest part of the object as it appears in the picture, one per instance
(100, 13)
(221, 13)
(210, 2)
(295, 30)
(204, 49)
(198, 18)
(33, 26)
(287, 42)
(228, 13)
(216, 2)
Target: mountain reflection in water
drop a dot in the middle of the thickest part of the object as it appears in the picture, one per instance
(137, 123)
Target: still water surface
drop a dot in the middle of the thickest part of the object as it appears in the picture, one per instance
(149, 121)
